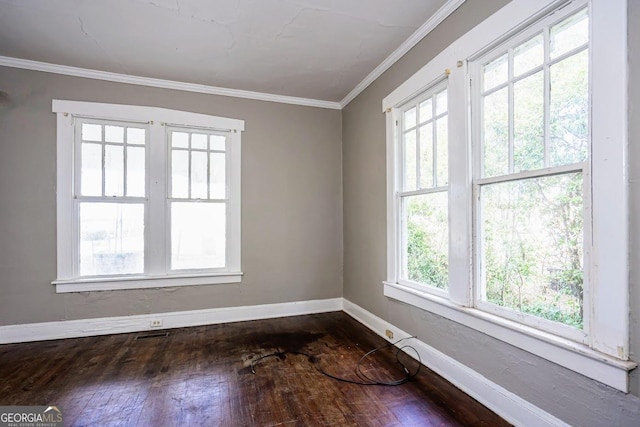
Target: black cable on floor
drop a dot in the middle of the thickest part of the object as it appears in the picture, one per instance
(365, 379)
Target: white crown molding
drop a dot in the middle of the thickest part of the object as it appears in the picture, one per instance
(177, 319)
(441, 14)
(509, 406)
(164, 84)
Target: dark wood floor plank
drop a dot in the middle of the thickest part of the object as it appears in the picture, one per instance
(202, 376)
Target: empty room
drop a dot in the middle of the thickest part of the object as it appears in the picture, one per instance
(319, 213)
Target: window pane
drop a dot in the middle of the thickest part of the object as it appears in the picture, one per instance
(113, 170)
(410, 118)
(111, 238)
(135, 172)
(442, 149)
(136, 136)
(495, 113)
(441, 102)
(495, 72)
(569, 125)
(427, 239)
(91, 170)
(179, 140)
(180, 174)
(426, 156)
(199, 141)
(217, 178)
(198, 236)
(217, 142)
(91, 132)
(570, 33)
(199, 176)
(114, 134)
(528, 55)
(426, 110)
(410, 160)
(528, 123)
(532, 232)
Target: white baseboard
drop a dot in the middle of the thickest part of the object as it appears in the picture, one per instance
(509, 406)
(177, 319)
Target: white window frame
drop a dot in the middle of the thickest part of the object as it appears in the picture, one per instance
(603, 354)
(157, 231)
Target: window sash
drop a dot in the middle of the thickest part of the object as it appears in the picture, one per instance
(579, 335)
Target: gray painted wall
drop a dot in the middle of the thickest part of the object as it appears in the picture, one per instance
(291, 202)
(569, 396)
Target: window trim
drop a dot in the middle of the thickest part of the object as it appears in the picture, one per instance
(605, 357)
(157, 273)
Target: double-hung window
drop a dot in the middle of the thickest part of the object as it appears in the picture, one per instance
(146, 197)
(423, 194)
(507, 199)
(531, 174)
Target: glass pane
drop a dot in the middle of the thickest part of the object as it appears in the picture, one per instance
(528, 123)
(113, 170)
(198, 236)
(217, 142)
(410, 160)
(135, 172)
(532, 246)
(111, 238)
(410, 118)
(91, 132)
(180, 174)
(199, 141)
(91, 170)
(569, 124)
(179, 140)
(199, 176)
(528, 55)
(114, 134)
(496, 72)
(426, 156)
(427, 239)
(441, 102)
(495, 114)
(426, 110)
(217, 178)
(570, 33)
(442, 150)
(136, 136)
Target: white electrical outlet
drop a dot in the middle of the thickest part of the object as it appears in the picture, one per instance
(156, 323)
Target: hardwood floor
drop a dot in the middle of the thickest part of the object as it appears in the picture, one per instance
(202, 376)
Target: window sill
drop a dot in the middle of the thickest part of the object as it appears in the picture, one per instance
(143, 282)
(571, 355)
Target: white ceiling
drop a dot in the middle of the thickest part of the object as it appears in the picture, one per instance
(317, 49)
